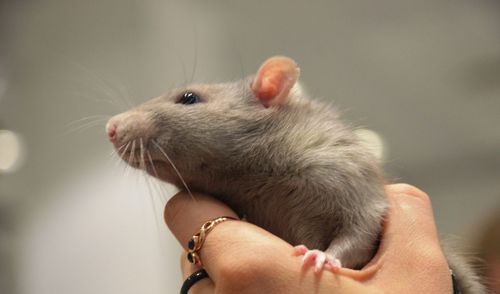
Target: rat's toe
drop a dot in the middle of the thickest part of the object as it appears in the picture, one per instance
(299, 250)
(332, 263)
(320, 259)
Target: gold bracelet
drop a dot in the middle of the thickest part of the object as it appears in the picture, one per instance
(196, 242)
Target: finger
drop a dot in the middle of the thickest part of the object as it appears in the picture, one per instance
(411, 242)
(185, 214)
(410, 247)
(231, 246)
(410, 222)
(204, 286)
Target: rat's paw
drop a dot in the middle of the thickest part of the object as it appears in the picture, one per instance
(319, 258)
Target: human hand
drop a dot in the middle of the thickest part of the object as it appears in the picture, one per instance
(243, 258)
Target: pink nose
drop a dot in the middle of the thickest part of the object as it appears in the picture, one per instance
(111, 130)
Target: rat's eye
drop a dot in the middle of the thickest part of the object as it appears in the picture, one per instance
(189, 98)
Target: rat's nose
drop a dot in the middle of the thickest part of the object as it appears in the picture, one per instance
(111, 130)
(129, 126)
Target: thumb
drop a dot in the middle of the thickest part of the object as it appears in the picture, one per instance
(410, 249)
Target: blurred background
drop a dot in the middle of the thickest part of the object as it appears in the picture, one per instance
(423, 75)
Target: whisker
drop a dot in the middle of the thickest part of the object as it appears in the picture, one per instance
(156, 215)
(115, 159)
(117, 155)
(174, 167)
(121, 147)
(124, 150)
(88, 125)
(93, 81)
(161, 193)
(147, 180)
(99, 80)
(123, 94)
(120, 159)
(95, 98)
(112, 154)
(183, 70)
(152, 165)
(195, 62)
(126, 95)
(126, 170)
(240, 59)
(84, 126)
(132, 152)
(142, 162)
(88, 118)
(164, 192)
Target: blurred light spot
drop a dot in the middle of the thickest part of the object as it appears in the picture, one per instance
(10, 151)
(373, 141)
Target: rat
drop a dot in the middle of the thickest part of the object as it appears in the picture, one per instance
(284, 161)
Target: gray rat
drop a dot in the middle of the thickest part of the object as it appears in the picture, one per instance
(284, 161)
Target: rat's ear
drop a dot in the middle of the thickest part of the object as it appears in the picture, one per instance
(275, 78)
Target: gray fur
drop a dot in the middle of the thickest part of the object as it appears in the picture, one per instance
(465, 267)
(295, 170)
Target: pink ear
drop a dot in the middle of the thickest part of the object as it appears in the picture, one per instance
(275, 78)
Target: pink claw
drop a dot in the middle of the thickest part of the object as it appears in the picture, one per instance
(299, 250)
(334, 263)
(319, 258)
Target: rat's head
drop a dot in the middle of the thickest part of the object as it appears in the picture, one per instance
(199, 125)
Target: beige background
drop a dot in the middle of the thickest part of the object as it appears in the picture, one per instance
(423, 74)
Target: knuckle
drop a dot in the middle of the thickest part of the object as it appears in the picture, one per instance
(403, 188)
(411, 191)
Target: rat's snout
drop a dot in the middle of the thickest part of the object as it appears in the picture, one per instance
(129, 126)
(111, 131)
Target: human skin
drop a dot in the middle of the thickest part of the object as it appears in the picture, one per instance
(243, 258)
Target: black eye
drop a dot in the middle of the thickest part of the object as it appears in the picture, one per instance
(189, 98)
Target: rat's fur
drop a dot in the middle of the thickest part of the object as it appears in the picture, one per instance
(294, 169)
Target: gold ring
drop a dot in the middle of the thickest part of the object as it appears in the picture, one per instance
(196, 242)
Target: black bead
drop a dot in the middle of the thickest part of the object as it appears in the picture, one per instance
(191, 244)
(190, 257)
